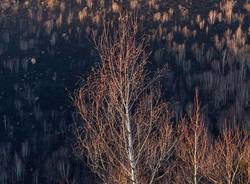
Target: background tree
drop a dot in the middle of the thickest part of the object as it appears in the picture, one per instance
(125, 132)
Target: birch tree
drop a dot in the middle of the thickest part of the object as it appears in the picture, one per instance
(229, 155)
(125, 133)
(193, 146)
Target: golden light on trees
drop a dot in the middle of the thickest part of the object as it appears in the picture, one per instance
(126, 133)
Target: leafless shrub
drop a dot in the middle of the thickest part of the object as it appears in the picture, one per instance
(227, 7)
(212, 16)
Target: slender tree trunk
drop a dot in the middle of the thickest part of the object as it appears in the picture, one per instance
(130, 147)
(195, 157)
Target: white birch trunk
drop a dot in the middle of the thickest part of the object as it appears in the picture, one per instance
(130, 148)
(195, 157)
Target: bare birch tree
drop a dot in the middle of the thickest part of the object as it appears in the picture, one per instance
(193, 146)
(125, 134)
(228, 156)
